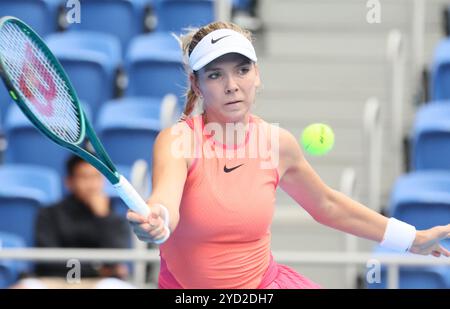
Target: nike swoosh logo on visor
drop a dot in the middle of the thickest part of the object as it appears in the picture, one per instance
(217, 40)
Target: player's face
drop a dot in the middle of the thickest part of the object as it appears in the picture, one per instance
(85, 182)
(228, 86)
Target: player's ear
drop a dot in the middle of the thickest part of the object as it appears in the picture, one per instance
(194, 84)
(257, 78)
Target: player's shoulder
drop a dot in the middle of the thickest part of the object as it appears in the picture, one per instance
(286, 138)
(177, 140)
(177, 130)
(289, 147)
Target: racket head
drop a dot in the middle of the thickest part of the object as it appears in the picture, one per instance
(39, 85)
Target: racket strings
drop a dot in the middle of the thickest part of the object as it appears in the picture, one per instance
(44, 91)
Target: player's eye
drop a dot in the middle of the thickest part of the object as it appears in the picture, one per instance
(244, 70)
(214, 75)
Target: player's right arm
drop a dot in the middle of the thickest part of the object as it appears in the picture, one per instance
(170, 166)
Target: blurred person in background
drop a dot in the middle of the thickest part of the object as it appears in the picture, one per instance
(83, 219)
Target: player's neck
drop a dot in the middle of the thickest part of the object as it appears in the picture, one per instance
(237, 130)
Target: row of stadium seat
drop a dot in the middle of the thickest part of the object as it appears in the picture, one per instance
(122, 18)
(26, 188)
(10, 269)
(421, 198)
(440, 72)
(129, 122)
(92, 61)
(431, 137)
(154, 67)
(95, 54)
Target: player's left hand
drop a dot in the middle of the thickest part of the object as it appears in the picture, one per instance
(428, 241)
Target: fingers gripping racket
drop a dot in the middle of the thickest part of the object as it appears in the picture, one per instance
(37, 82)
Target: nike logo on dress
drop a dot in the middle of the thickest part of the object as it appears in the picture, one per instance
(227, 170)
(217, 40)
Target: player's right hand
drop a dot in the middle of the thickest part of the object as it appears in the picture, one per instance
(154, 228)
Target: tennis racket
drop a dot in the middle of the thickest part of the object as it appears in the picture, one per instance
(38, 84)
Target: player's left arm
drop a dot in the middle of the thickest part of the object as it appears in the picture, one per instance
(334, 209)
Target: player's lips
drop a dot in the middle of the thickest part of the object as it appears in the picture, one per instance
(233, 102)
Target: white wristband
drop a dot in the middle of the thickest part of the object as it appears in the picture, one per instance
(166, 226)
(399, 236)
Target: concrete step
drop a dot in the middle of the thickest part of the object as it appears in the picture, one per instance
(331, 175)
(300, 111)
(296, 221)
(351, 48)
(312, 94)
(299, 75)
(349, 15)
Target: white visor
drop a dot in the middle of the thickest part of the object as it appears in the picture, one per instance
(219, 43)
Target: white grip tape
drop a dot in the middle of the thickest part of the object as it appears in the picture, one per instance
(166, 225)
(399, 236)
(129, 195)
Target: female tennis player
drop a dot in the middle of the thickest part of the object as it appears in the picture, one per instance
(211, 210)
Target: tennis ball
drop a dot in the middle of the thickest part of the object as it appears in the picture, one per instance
(317, 139)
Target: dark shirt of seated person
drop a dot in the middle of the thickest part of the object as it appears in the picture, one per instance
(84, 219)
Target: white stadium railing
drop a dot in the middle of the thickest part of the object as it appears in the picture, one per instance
(392, 261)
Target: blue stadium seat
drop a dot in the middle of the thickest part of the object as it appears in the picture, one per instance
(121, 18)
(29, 146)
(174, 15)
(41, 15)
(5, 102)
(91, 61)
(242, 5)
(155, 42)
(155, 66)
(10, 269)
(440, 72)
(425, 277)
(23, 190)
(431, 137)
(422, 198)
(133, 123)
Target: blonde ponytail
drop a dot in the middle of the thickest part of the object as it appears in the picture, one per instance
(191, 99)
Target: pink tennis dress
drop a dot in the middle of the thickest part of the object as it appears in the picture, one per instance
(222, 240)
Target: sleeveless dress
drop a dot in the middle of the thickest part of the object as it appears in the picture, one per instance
(222, 240)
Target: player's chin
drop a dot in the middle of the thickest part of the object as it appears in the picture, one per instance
(235, 113)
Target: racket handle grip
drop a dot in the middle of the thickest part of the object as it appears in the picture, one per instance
(129, 195)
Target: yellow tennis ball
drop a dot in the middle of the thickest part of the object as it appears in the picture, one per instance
(317, 139)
